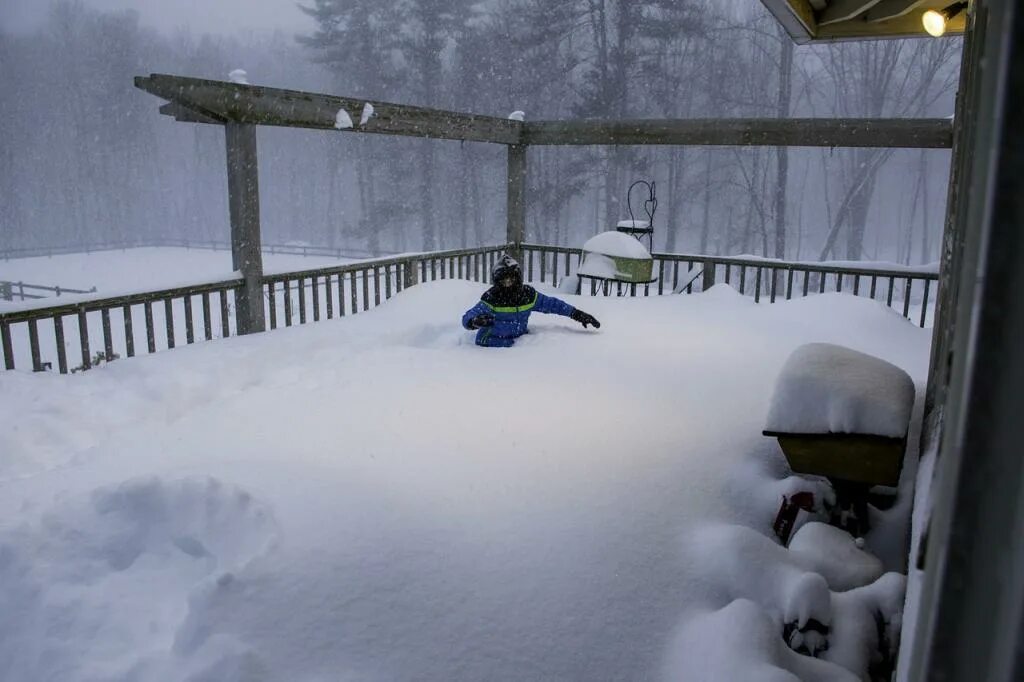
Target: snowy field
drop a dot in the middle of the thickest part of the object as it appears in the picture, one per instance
(376, 498)
(143, 269)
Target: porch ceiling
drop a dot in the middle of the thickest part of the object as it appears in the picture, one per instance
(829, 20)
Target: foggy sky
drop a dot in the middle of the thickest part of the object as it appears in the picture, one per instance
(200, 16)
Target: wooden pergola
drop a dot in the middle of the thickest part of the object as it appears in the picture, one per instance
(241, 107)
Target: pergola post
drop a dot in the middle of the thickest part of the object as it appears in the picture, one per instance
(244, 209)
(516, 190)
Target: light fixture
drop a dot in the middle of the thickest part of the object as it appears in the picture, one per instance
(935, 20)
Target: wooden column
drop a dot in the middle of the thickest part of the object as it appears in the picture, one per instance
(244, 207)
(516, 190)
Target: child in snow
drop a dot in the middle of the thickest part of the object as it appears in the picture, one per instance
(504, 310)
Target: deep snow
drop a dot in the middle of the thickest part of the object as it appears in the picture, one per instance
(376, 498)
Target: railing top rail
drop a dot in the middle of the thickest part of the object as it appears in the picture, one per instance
(90, 305)
(918, 272)
(377, 263)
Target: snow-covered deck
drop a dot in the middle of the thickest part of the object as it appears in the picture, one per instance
(375, 498)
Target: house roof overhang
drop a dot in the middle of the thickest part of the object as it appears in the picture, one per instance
(809, 21)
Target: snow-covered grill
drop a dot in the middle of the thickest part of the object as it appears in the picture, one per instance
(844, 415)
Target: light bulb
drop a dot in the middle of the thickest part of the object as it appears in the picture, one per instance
(934, 22)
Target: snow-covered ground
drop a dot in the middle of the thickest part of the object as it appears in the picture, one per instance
(376, 498)
(143, 269)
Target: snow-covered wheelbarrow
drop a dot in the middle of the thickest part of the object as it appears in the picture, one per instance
(844, 415)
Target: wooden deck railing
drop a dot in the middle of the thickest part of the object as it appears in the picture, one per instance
(907, 290)
(36, 335)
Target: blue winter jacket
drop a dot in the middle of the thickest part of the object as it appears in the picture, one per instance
(511, 315)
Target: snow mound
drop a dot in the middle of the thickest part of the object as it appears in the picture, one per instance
(616, 245)
(239, 76)
(741, 642)
(517, 115)
(122, 573)
(835, 555)
(825, 388)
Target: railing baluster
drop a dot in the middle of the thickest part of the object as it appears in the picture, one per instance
(5, 340)
(207, 317)
(543, 266)
(190, 334)
(353, 291)
(330, 297)
(62, 353)
(554, 268)
(169, 321)
(839, 282)
(874, 282)
(150, 332)
(33, 344)
(775, 279)
(728, 273)
(789, 283)
(366, 289)
(807, 278)
(743, 279)
(675, 275)
(287, 303)
(225, 314)
(83, 339)
(924, 304)
(906, 298)
(821, 282)
(316, 298)
(888, 296)
(272, 299)
(568, 263)
(108, 339)
(856, 285)
(757, 285)
(129, 331)
(341, 294)
(451, 268)
(387, 279)
(433, 270)
(376, 286)
(689, 277)
(302, 299)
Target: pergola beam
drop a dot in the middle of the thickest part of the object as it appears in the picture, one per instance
(811, 132)
(198, 99)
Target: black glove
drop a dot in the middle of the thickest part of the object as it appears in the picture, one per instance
(585, 319)
(481, 320)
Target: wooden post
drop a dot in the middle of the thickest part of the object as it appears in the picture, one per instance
(709, 275)
(244, 207)
(409, 274)
(516, 190)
